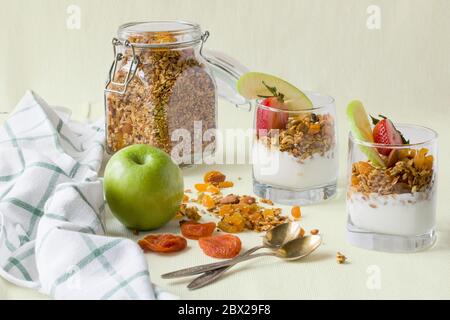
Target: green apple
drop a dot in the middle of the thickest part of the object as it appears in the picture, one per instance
(361, 130)
(143, 187)
(253, 85)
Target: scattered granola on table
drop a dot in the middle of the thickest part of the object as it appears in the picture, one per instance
(236, 213)
(267, 201)
(239, 213)
(191, 213)
(340, 258)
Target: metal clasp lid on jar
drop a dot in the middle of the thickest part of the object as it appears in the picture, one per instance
(112, 71)
(135, 59)
(226, 70)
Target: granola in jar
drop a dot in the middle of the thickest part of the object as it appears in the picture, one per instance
(161, 90)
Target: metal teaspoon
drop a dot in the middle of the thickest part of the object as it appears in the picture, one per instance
(292, 250)
(273, 239)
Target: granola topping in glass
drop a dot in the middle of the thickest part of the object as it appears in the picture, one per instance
(304, 136)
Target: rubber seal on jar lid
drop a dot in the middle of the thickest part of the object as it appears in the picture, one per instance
(156, 34)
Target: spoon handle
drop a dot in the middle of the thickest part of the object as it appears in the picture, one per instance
(212, 275)
(207, 267)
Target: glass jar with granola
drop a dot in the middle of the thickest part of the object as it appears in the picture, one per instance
(391, 194)
(162, 89)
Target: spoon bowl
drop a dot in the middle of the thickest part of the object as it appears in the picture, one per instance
(273, 239)
(282, 234)
(299, 248)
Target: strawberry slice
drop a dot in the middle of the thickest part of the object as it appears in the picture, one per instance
(267, 120)
(386, 133)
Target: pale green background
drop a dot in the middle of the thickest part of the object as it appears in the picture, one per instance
(401, 70)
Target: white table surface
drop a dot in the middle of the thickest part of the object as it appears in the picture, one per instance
(368, 275)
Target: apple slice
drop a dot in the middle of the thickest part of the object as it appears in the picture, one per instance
(361, 130)
(254, 85)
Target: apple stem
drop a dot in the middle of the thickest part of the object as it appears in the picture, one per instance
(274, 91)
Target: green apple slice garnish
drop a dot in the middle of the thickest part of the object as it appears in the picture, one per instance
(361, 130)
(254, 85)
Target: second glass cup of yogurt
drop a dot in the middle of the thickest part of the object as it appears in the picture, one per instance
(295, 160)
(391, 195)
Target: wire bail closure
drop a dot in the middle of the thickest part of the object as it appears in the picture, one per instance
(112, 71)
(204, 38)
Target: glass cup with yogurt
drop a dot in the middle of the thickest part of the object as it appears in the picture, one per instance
(393, 207)
(295, 160)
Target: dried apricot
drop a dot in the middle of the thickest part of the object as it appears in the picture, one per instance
(314, 231)
(363, 167)
(212, 189)
(201, 187)
(194, 230)
(355, 180)
(208, 202)
(225, 246)
(225, 184)
(234, 223)
(268, 213)
(296, 212)
(226, 210)
(428, 164)
(214, 177)
(314, 129)
(402, 154)
(163, 243)
(419, 158)
(302, 232)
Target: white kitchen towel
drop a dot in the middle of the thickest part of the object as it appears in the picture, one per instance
(52, 229)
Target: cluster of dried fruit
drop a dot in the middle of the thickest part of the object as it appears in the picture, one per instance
(214, 181)
(407, 171)
(224, 246)
(304, 136)
(236, 213)
(171, 90)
